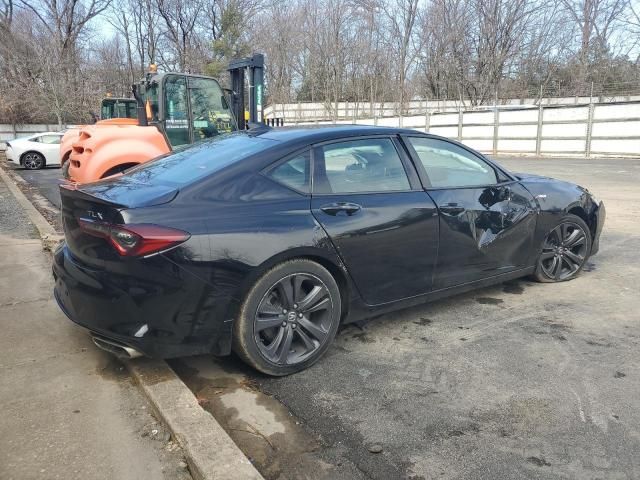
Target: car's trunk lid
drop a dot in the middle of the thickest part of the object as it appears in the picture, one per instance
(103, 202)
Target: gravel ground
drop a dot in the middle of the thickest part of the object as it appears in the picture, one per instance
(13, 220)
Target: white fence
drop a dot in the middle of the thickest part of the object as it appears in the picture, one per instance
(301, 112)
(11, 132)
(596, 129)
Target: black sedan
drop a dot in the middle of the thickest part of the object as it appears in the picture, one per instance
(263, 242)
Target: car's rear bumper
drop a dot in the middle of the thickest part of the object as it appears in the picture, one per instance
(156, 315)
(600, 215)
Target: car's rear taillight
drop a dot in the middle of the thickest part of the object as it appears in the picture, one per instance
(135, 240)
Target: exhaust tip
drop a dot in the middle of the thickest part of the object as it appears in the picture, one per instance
(117, 349)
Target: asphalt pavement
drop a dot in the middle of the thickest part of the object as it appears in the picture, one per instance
(517, 381)
(47, 181)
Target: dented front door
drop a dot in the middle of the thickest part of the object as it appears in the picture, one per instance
(484, 231)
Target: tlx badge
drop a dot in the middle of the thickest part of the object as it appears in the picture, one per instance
(96, 215)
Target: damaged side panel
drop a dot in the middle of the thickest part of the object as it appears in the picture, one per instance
(483, 231)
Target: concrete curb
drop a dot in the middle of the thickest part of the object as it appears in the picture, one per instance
(50, 238)
(210, 452)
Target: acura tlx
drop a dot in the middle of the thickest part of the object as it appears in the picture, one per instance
(263, 242)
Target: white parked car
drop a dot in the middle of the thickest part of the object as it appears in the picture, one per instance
(36, 151)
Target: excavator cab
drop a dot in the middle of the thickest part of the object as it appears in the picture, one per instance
(172, 110)
(186, 108)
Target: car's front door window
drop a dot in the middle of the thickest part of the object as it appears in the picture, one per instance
(448, 165)
(367, 165)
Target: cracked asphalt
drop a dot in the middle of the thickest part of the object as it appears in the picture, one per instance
(521, 380)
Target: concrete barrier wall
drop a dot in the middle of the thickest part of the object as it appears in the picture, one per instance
(11, 132)
(307, 111)
(596, 129)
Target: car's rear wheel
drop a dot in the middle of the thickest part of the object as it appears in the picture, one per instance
(289, 318)
(32, 161)
(565, 250)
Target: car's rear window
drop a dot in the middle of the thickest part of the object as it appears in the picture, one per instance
(199, 160)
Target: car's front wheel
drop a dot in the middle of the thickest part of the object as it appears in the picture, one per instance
(565, 250)
(289, 318)
(33, 161)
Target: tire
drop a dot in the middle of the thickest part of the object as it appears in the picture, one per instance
(65, 169)
(33, 161)
(565, 250)
(288, 319)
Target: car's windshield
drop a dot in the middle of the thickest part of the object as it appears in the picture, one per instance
(199, 160)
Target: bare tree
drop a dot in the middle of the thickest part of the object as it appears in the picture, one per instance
(594, 21)
(325, 51)
(402, 16)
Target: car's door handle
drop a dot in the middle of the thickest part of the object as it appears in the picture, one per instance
(452, 209)
(335, 208)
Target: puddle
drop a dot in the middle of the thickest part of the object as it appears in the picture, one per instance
(271, 437)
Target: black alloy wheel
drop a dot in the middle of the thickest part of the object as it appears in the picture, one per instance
(33, 161)
(565, 250)
(293, 319)
(289, 318)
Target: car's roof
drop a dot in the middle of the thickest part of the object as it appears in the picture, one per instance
(314, 134)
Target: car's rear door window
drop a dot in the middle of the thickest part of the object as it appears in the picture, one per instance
(364, 165)
(294, 172)
(448, 165)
